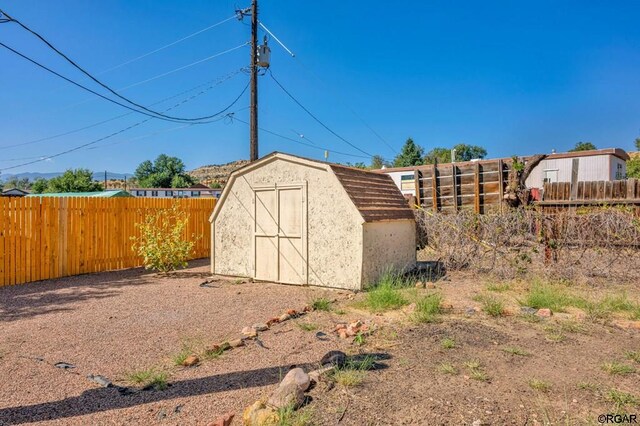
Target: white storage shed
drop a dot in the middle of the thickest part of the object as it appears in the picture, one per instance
(293, 220)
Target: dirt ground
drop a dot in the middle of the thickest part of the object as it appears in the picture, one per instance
(114, 324)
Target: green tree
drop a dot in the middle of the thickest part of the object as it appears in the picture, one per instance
(466, 152)
(411, 155)
(378, 162)
(215, 185)
(438, 155)
(583, 146)
(637, 143)
(39, 186)
(164, 172)
(78, 180)
(633, 167)
(15, 182)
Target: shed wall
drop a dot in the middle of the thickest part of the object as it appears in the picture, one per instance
(334, 226)
(387, 245)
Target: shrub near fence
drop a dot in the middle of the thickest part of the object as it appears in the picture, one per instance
(43, 238)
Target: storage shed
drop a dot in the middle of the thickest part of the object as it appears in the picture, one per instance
(293, 220)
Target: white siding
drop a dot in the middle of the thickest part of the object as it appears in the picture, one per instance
(591, 168)
(409, 186)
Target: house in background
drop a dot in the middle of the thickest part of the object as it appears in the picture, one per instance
(196, 191)
(96, 194)
(596, 165)
(14, 192)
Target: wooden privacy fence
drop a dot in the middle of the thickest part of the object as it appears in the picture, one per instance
(43, 238)
(475, 185)
(562, 195)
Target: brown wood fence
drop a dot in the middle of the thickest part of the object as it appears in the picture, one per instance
(43, 238)
(562, 195)
(475, 185)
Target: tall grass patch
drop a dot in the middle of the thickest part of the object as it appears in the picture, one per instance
(387, 294)
(428, 308)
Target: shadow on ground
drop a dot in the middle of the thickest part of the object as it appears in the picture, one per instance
(59, 295)
(104, 399)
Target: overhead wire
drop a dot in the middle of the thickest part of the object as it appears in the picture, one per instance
(161, 117)
(88, 74)
(303, 143)
(93, 142)
(219, 79)
(310, 71)
(316, 118)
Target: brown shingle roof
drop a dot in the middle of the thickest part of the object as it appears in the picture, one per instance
(375, 195)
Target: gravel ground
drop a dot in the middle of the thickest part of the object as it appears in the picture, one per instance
(116, 323)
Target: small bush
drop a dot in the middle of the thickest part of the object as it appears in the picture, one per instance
(428, 308)
(321, 304)
(161, 243)
(289, 416)
(353, 372)
(617, 368)
(492, 305)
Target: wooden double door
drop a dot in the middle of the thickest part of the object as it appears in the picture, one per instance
(280, 233)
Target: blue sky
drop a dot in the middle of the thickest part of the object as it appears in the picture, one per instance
(514, 77)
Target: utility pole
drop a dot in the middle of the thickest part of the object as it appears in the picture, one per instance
(254, 83)
(105, 180)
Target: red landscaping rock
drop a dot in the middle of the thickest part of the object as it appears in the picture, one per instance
(224, 420)
(307, 309)
(272, 321)
(544, 313)
(284, 317)
(342, 333)
(191, 360)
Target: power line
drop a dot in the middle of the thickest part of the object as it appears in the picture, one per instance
(303, 143)
(316, 118)
(219, 80)
(310, 71)
(161, 117)
(167, 45)
(96, 80)
(76, 148)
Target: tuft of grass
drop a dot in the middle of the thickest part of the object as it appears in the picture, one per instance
(447, 368)
(532, 318)
(473, 364)
(588, 386)
(479, 375)
(210, 355)
(621, 399)
(513, 350)
(447, 343)
(321, 304)
(340, 312)
(184, 353)
(633, 356)
(359, 339)
(555, 336)
(428, 308)
(617, 368)
(307, 326)
(539, 385)
(353, 372)
(499, 288)
(546, 295)
(289, 416)
(149, 378)
(385, 296)
(492, 306)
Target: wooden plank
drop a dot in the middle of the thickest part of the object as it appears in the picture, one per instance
(416, 177)
(454, 186)
(500, 183)
(434, 187)
(575, 165)
(476, 197)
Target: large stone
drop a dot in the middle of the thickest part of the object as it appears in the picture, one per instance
(337, 358)
(286, 395)
(297, 376)
(260, 327)
(526, 310)
(284, 317)
(259, 414)
(249, 332)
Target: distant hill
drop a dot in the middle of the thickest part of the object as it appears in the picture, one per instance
(216, 172)
(99, 176)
